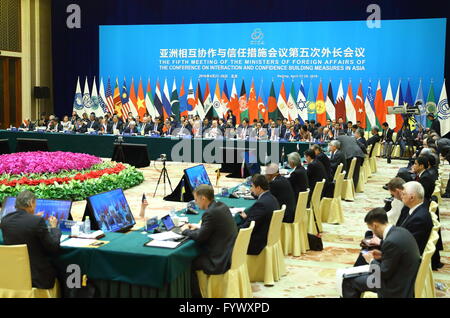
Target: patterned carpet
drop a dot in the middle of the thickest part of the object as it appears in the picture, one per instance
(313, 274)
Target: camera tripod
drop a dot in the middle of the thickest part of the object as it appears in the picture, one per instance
(164, 174)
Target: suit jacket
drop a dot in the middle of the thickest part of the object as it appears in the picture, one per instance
(260, 212)
(146, 128)
(436, 126)
(22, 228)
(128, 130)
(363, 141)
(156, 127)
(282, 190)
(399, 264)
(119, 126)
(299, 181)
(326, 163)
(94, 125)
(373, 140)
(337, 158)
(30, 126)
(419, 224)
(387, 135)
(82, 129)
(350, 148)
(428, 182)
(315, 172)
(281, 131)
(216, 239)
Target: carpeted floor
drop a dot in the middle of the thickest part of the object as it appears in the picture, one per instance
(313, 274)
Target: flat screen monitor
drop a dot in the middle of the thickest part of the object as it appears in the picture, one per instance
(196, 176)
(168, 222)
(44, 207)
(111, 211)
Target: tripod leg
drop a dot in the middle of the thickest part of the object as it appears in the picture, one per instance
(168, 179)
(159, 180)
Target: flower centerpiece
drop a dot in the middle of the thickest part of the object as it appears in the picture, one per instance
(63, 175)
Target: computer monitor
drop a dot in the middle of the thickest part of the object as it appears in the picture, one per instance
(196, 176)
(44, 207)
(109, 212)
(168, 222)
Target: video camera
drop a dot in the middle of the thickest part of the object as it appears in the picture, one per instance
(404, 109)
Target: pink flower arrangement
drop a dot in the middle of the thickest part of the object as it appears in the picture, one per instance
(45, 162)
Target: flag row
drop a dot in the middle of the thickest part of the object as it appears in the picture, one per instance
(369, 105)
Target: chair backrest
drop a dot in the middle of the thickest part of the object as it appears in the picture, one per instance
(425, 273)
(275, 226)
(15, 273)
(239, 255)
(300, 210)
(316, 196)
(338, 171)
(433, 207)
(352, 169)
(376, 149)
(338, 186)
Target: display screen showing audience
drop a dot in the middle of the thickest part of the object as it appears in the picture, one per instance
(111, 211)
(196, 176)
(58, 208)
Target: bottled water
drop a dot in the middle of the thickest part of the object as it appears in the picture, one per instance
(87, 225)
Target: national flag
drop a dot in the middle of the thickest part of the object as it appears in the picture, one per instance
(399, 102)
(183, 100)
(420, 103)
(102, 98)
(409, 102)
(302, 104)
(133, 100)
(207, 101)
(118, 102)
(311, 103)
(94, 101)
(126, 107)
(380, 110)
(141, 107)
(370, 108)
(292, 103)
(360, 108)
(263, 112)
(225, 100)
(218, 108)
(199, 103)
(243, 104)
(174, 101)
(191, 100)
(78, 99)
(149, 102)
(282, 101)
(252, 103)
(443, 111)
(389, 102)
(272, 104)
(431, 107)
(321, 115)
(350, 104)
(234, 102)
(340, 103)
(329, 103)
(87, 103)
(158, 99)
(167, 109)
(110, 98)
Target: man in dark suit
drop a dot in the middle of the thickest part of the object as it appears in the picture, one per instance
(93, 123)
(359, 136)
(116, 124)
(243, 131)
(375, 136)
(298, 177)
(281, 128)
(281, 189)
(145, 126)
(23, 227)
(260, 212)
(351, 149)
(131, 129)
(157, 126)
(435, 124)
(336, 156)
(423, 176)
(80, 127)
(323, 159)
(315, 171)
(216, 236)
(27, 124)
(398, 261)
(386, 139)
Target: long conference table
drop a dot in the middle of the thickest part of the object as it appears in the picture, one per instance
(124, 267)
(192, 149)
